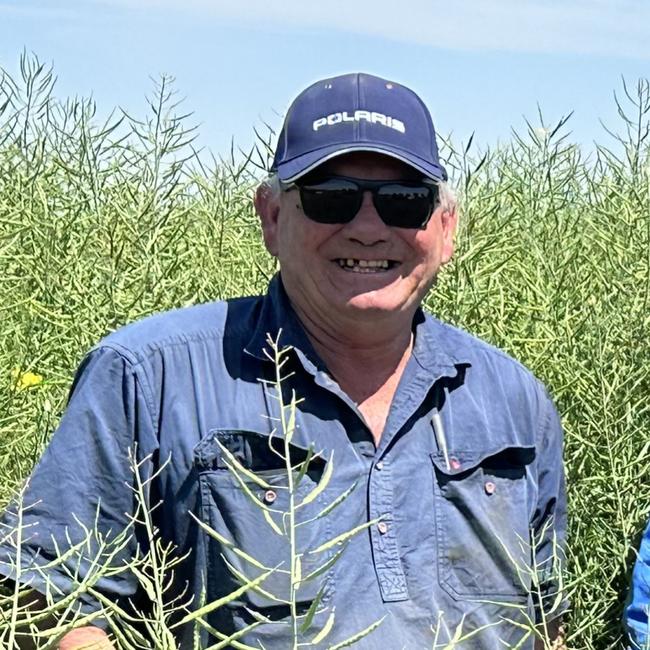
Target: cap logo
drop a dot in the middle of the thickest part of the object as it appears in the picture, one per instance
(372, 117)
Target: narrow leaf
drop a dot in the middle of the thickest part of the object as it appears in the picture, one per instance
(358, 636)
(326, 566)
(226, 641)
(311, 612)
(257, 588)
(297, 571)
(339, 539)
(291, 424)
(215, 604)
(328, 508)
(327, 628)
(304, 466)
(241, 469)
(250, 494)
(223, 541)
(271, 522)
(322, 484)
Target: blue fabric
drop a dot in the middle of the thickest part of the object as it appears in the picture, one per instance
(636, 612)
(453, 544)
(356, 112)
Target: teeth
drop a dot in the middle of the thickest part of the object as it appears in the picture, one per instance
(362, 266)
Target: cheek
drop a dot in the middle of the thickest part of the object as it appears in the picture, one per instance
(313, 237)
(425, 246)
(289, 233)
(301, 240)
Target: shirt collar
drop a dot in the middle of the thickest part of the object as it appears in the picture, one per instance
(431, 348)
(277, 318)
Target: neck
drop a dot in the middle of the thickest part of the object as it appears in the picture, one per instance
(362, 355)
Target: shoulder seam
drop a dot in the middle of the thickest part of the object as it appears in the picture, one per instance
(140, 376)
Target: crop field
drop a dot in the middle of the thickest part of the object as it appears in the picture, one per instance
(104, 221)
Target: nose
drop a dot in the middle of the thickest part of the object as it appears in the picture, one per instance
(367, 228)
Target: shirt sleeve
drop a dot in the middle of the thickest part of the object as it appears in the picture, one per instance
(549, 523)
(636, 612)
(81, 494)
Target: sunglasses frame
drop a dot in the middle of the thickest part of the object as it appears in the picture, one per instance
(372, 186)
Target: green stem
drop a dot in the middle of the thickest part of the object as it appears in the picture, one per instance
(291, 513)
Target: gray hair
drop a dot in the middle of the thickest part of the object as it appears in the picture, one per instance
(446, 194)
(272, 181)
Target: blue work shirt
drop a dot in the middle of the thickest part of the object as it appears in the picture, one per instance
(468, 467)
(636, 612)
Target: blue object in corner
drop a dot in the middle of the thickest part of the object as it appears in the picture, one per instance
(636, 612)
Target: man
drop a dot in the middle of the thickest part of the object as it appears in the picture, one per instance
(448, 450)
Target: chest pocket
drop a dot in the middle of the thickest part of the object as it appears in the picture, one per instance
(482, 524)
(254, 519)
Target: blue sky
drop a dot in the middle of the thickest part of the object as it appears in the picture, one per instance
(480, 66)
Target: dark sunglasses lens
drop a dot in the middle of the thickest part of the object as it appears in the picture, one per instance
(331, 201)
(405, 206)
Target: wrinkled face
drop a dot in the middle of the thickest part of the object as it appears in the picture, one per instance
(361, 268)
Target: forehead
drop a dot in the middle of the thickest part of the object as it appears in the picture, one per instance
(369, 165)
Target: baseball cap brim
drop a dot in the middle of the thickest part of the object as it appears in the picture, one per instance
(291, 170)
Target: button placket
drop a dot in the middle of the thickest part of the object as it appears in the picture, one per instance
(388, 565)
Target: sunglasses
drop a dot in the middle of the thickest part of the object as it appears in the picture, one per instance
(338, 199)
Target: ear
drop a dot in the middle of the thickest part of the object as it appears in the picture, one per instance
(267, 206)
(448, 222)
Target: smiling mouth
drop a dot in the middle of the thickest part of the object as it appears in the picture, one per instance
(365, 266)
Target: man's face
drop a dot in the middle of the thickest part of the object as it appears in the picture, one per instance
(311, 254)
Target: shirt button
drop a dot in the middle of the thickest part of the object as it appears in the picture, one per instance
(270, 496)
(490, 487)
(382, 527)
(379, 465)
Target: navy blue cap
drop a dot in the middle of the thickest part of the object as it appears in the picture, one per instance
(356, 112)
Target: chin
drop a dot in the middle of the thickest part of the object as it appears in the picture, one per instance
(373, 304)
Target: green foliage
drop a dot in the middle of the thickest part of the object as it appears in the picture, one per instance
(105, 221)
(25, 616)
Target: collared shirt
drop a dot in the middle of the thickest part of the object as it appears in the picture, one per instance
(468, 469)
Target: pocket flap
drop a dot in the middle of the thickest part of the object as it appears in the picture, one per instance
(460, 461)
(254, 450)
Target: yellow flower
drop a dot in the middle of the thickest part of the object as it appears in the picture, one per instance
(25, 380)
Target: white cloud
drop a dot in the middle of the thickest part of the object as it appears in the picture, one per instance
(597, 27)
